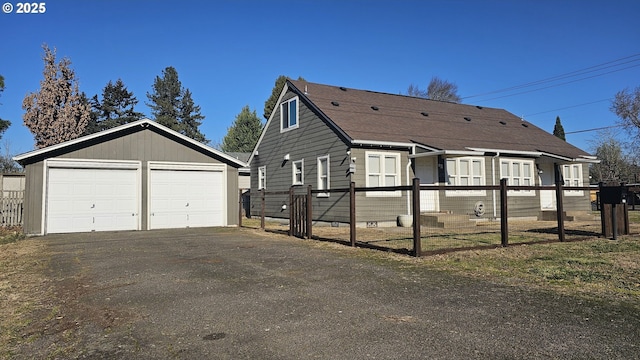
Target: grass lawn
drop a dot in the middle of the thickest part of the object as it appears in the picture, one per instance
(594, 267)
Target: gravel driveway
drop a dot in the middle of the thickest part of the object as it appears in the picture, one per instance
(238, 294)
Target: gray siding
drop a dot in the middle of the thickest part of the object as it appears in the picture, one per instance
(144, 145)
(33, 200)
(312, 139)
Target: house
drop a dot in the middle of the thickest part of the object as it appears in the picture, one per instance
(138, 176)
(329, 136)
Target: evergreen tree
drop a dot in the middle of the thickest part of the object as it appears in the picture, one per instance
(116, 107)
(173, 106)
(55, 113)
(558, 130)
(190, 118)
(275, 94)
(92, 124)
(243, 135)
(4, 124)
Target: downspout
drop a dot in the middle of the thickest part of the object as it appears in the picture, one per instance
(412, 152)
(493, 179)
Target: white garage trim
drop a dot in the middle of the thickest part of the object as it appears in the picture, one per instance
(89, 164)
(186, 166)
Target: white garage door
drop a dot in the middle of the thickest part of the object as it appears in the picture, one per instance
(186, 198)
(81, 200)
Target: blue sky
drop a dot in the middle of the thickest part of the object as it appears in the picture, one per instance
(229, 53)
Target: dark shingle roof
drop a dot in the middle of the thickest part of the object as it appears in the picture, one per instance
(378, 117)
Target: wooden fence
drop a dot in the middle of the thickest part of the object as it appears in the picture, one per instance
(11, 205)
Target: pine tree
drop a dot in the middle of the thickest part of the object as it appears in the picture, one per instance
(173, 106)
(558, 130)
(190, 118)
(243, 135)
(165, 99)
(275, 94)
(55, 113)
(116, 107)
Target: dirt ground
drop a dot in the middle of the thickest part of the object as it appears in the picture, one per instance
(242, 294)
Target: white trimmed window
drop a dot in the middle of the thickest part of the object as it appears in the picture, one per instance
(297, 168)
(383, 169)
(262, 177)
(465, 171)
(572, 175)
(323, 175)
(518, 173)
(289, 114)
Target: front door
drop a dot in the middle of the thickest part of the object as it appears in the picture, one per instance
(426, 171)
(546, 178)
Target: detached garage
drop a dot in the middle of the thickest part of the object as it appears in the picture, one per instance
(138, 176)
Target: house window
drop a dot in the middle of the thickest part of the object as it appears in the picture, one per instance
(383, 169)
(289, 114)
(323, 175)
(298, 172)
(465, 171)
(262, 177)
(518, 173)
(572, 175)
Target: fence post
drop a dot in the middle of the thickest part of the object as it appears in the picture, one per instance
(291, 212)
(504, 213)
(417, 237)
(352, 213)
(309, 213)
(240, 206)
(262, 209)
(559, 204)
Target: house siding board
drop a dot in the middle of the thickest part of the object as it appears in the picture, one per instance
(313, 138)
(33, 202)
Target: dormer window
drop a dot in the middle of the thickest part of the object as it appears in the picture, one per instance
(289, 114)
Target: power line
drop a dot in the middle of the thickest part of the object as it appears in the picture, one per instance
(595, 68)
(568, 107)
(564, 83)
(595, 129)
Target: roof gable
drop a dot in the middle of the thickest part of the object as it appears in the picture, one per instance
(89, 140)
(373, 117)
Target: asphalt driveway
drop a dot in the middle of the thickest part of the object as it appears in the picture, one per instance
(236, 294)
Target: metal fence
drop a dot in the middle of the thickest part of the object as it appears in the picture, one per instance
(11, 206)
(403, 218)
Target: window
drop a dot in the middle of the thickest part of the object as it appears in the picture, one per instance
(466, 171)
(323, 175)
(572, 175)
(298, 172)
(289, 114)
(518, 173)
(383, 169)
(262, 177)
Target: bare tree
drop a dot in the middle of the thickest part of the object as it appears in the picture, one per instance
(55, 113)
(626, 105)
(614, 164)
(438, 89)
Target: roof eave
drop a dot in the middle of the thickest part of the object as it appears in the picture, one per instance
(144, 123)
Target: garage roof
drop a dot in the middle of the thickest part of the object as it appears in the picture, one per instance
(49, 151)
